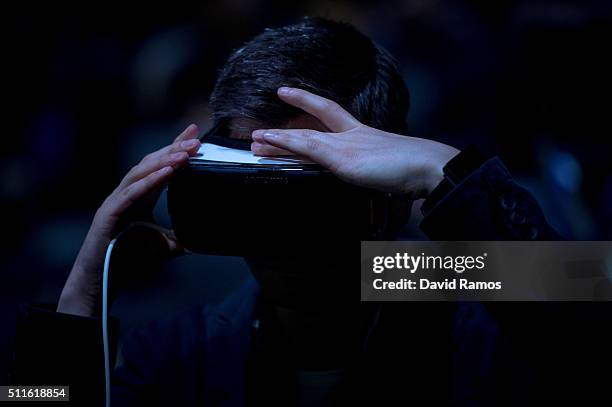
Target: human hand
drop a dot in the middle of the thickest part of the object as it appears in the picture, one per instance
(355, 152)
(132, 201)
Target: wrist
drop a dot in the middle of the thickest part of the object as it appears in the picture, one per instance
(79, 295)
(82, 289)
(434, 173)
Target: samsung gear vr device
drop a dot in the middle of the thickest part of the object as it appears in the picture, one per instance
(227, 201)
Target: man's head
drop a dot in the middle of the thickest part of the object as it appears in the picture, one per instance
(329, 59)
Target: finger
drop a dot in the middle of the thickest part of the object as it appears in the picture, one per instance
(186, 141)
(172, 155)
(267, 149)
(190, 132)
(127, 196)
(146, 167)
(330, 113)
(190, 146)
(308, 143)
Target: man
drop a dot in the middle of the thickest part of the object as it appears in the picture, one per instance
(323, 90)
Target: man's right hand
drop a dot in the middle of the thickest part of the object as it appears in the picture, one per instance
(131, 201)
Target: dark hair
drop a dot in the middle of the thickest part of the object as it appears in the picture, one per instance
(328, 58)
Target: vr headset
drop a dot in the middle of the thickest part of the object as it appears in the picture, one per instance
(227, 201)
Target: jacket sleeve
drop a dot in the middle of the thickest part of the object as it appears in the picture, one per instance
(485, 205)
(561, 346)
(159, 363)
(53, 348)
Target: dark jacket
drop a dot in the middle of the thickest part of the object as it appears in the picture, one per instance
(214, 356)
(433, 353)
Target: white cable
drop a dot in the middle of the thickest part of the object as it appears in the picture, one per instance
(107, 370)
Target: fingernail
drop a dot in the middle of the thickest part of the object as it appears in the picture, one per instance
(166, 170)
(284, 90)
(270, 136)
(191, 126)
(187, 144)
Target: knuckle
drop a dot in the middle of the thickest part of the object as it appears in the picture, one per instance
(124, 196)
(313, 143)
(164, 159)
(309, 133)
(146, 182)
(330, 106)
(113, 195)
(351, 155)
(134, 169)
(176, 146)
(150, 179)
(297, 93)
(102, 209)
(126, 192)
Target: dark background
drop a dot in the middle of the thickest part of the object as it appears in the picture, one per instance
(91, 88)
